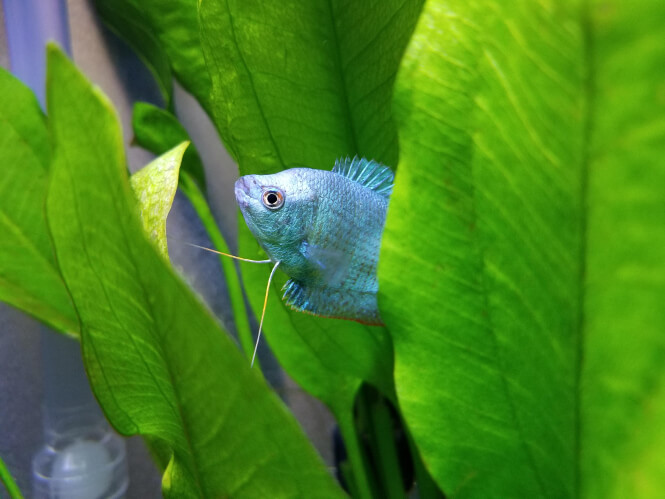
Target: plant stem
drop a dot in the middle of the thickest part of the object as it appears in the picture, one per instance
(360, 483)
(195, 196)
(8, 482)
(382, 443)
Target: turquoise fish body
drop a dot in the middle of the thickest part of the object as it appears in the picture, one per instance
(324, 227)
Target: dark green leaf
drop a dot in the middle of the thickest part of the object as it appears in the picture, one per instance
(302, 84)
(154, 187)
(158, 131)
(127, 20)
(29, 276)
(158, 362)
(163, 32)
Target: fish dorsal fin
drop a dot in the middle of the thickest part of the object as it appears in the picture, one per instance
(368, 173)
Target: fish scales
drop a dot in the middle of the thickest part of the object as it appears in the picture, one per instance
(324, 227)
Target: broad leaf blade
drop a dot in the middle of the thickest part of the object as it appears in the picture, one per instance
(158, 362)
(623, 418)
(155, 186)
(301, 84)
(506, 115)
(481, 260)
(29, 276)
(305, 83)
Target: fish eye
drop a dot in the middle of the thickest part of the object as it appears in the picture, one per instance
(273, 198)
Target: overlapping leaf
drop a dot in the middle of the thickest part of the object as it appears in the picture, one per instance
(336, 64)
(158, 362)
(29, 277)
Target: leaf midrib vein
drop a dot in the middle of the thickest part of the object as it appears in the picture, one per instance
(252, 85)
(589, 82)
(346, 105)
(177, 406)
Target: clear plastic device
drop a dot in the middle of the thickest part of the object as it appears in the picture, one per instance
(82, 457)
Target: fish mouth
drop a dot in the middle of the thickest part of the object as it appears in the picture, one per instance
(241, 190)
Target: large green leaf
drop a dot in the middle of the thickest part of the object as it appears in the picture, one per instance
(29, 276)
(158, 362)
(303, 83)
(524, 241)
(347, 67)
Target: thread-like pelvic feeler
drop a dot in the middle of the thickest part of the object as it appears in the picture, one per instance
(265, 300)
(226, 254)
(263, 312)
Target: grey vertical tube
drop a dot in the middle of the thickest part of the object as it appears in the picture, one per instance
(81, 457)
(29, 25)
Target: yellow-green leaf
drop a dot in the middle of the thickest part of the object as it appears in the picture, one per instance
(155, 186)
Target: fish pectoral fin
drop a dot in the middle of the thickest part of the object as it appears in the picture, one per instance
(332, 264)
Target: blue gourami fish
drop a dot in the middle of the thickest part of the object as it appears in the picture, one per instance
(323, 229)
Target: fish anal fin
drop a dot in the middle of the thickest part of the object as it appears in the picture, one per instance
(332, 302)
